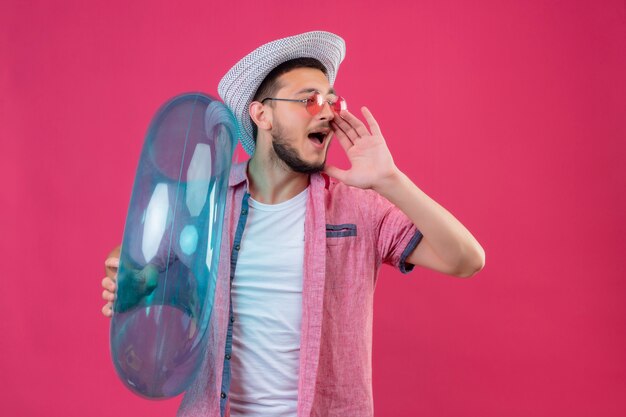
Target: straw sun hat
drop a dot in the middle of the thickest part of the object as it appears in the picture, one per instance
(242, 81)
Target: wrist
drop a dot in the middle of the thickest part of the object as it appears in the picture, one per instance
(388, 182)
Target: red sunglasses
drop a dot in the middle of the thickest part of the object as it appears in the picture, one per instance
(315, 103)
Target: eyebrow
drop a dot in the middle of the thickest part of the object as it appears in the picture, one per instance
(313, 90)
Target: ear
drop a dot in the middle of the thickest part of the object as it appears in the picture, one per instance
(261, 115)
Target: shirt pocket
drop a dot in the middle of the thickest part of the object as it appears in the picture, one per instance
(340, 234)
(342, 255)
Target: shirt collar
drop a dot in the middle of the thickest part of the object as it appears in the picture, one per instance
(238, 174)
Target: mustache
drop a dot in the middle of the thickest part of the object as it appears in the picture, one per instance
(322, 126)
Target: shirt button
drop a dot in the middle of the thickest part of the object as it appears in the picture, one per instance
(244, 211)
(227, 357)
(223, 395)
(237, 247)
(232, 319)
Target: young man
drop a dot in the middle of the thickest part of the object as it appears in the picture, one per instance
(305, 249)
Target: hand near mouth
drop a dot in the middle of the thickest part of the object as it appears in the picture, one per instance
(371, 162)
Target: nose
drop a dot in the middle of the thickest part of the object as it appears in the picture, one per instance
(326, 113)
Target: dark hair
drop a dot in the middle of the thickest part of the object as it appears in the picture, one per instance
(270, 85)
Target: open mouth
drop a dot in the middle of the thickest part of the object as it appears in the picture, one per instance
(319, 136)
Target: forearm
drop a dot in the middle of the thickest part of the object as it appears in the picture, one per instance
(448, 238)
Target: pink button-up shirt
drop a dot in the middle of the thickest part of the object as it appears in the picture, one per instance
(349, 233)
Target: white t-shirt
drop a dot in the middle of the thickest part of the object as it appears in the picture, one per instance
(267, 305)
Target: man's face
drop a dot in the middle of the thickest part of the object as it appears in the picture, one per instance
(300, 139)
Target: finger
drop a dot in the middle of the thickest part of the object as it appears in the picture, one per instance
(107, 310)
(347, 129)
(341, 136)
(350, 130)
(373, 124)
(355, 123)
(108, 295)
(111, 266)
(112, 262)
(108, 284)
(335, 172)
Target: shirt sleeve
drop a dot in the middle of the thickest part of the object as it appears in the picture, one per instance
(397, 235)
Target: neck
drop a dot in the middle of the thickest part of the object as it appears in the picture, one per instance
(271, 182)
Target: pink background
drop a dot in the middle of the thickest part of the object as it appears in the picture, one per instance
(511, 114)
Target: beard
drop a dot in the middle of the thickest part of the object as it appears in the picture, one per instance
(289, 156)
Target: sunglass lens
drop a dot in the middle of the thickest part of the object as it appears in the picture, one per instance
(314, 104)
(340, 104)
